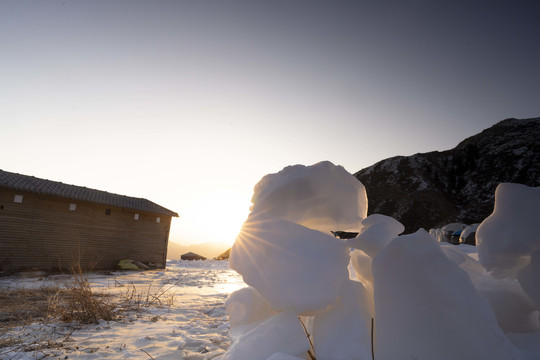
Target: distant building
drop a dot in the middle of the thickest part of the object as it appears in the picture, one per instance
(50, 225)
(192, 256)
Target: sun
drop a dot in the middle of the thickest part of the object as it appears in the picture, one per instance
(217, 217)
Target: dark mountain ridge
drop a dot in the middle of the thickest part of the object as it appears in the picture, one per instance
(435, 188)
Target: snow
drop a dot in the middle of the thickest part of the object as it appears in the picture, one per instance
(467, 231)
(247, 309)
(376, 232)
(282, 243)
(428, 300)
(194, 326)
(453, 227)
(343, 331)
(283, 333)
(322, 196)
(509, 236)
(528, 278)
(427, 308)
(281, 356)
(297, 291)
(276, 257)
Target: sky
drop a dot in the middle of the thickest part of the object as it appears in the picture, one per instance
(189, 103)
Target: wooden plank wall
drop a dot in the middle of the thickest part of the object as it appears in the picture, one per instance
(42, 232)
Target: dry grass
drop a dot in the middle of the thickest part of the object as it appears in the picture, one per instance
(24, 306)
(135, 300)
(77, 302)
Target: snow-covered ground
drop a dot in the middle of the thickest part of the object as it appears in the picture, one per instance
(190, 324)
(308, 295)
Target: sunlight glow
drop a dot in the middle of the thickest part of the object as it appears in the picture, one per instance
(219, 215)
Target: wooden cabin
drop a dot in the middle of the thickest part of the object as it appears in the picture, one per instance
(51, 225)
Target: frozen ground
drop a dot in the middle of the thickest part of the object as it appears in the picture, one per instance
(190, 324)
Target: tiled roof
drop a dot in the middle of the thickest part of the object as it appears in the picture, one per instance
(54, 188)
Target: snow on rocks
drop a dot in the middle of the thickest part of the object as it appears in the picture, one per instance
(427, 308)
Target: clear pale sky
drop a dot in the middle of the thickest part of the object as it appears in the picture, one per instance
(190, 103)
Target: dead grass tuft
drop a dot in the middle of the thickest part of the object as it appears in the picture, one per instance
(78, 302)
(135, 300)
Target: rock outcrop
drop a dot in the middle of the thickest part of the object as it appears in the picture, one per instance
(432, 189)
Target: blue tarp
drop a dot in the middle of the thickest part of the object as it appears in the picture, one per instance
(457, 233)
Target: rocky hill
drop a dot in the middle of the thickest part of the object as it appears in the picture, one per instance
(432, 189)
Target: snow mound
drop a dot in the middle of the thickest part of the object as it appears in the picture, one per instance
(343, 331)
(428, 301)
(282, 333)
(323, 196)
(375, 233)
(290, 264)
(509, 236)
(468, 231)
(427, 307)
(450, 228)
(529, 276)
(515, 311)
(247, 309)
